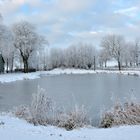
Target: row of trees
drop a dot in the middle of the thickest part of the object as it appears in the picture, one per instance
(22, 46)
(126, 53)
(112, 48)
(76, 56)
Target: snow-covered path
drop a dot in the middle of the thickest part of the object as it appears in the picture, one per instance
(16, 129)
(5, 78)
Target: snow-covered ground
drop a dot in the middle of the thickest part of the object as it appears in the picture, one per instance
(11, 77)
(84, 71)
(5, 78)
(16, 129)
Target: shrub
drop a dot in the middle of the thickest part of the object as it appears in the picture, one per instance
(75, 119)
(41, 108)
(40, 112)
(122, 114)
(22, 112)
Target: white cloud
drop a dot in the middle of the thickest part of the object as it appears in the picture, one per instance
(132, 11)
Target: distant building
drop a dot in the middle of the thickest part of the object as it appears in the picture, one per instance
(1, 64)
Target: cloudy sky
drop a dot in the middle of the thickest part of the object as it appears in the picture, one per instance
(65, 22)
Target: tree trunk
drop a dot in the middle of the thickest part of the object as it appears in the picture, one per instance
(101, 65)
(7, 65)
(119, 60)
(3, 65)
(137, 63)
(12, 64)
(119, 65)
(105, 64)
(25, 62)
(94, 63)
(130, 63)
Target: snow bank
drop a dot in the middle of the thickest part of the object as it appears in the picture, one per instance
(5, 78)
(84, 71)
(15, 129)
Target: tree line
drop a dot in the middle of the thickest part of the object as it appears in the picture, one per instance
(113, 47)
(22, 47)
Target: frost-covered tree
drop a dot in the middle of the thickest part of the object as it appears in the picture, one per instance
(136, 51)
(39, 59)
(114, 44)
(128, 55)
(75, 56)
(88, 56)
(131, 53)
(26, 40)
(56, 57)
(72, 57)
(104, 57)
(6, 45)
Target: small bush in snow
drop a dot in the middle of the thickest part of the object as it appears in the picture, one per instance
(126, 114)
(74, 119)
(22, 112)
(41, 108)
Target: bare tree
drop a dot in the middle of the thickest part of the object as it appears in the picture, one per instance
(114, 44)
(104, 57)
(26, 40)
(136, 51)
(128, 54)
(6, 45)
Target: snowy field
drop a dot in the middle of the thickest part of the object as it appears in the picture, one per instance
(5, 78)
(16, 129)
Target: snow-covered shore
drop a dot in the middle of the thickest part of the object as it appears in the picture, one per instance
(11, 77)
(15, 129)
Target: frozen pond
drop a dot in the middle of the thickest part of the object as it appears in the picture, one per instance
(95, 91)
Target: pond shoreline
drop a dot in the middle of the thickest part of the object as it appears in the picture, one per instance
(12, 77)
